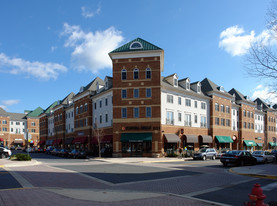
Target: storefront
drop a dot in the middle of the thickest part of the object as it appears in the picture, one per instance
(106, 145)
(49, 142)
(80, 142)
(272, 145)
(68, 142)
(41, 143)
(259, 146)
(57, 143)
(136, 144)
(1, 142)
(190, 141)
(205, 141)
(223, 142)
(18, 142)
(171, 143)
(249, 145)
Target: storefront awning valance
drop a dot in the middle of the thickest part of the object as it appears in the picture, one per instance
(80, 140)
(68, 140)
(273, 144)
(49, 142)
(41, 142)
(250, 143)
(224, 139)
(136, 137)
(105, 139)
(259, 144)
(18, 141)
(207, 138)
(191, 138)
(59, 141)
(172, 138)
(1, 140)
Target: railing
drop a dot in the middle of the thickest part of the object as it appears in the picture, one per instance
(170, 121)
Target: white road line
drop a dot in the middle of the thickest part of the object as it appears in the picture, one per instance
(269, 187)
(24, 183)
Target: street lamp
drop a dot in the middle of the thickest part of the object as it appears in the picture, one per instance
(27, 137)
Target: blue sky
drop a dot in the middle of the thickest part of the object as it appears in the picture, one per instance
(51, 48)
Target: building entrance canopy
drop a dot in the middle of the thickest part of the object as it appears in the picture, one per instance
(172, 138)
(207, 138)
(224, 139)
(259, 144)
(191, 138)
(273, 144)
(250, 143)
(136, 137)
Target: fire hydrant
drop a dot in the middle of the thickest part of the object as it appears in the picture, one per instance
(256, 196)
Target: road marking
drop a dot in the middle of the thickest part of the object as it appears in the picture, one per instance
(270, 187)
(263, 176)
(21, 180)
(17, 188)
(3, 173)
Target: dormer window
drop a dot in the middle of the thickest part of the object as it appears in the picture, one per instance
(136, 45)
(136, 73)
(221, 89)
(123, 74)
(198, 88)
(106, 85)
(97, 86)
(187, 84)
(148, 73)
(175, 80)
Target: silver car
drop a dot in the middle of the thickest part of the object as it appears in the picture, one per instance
(205, 153)
(263, 156)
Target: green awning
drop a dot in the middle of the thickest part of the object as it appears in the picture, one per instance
(136, 137)
(224, 139)
(250, 143)
(272, 144)
(259, 144)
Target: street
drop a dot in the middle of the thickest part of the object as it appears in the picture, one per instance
(120, 181)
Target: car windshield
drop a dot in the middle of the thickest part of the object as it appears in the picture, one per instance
(258, 152)
(234, 152)
(203, 150)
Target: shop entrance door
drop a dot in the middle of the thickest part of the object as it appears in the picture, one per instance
(136, 149)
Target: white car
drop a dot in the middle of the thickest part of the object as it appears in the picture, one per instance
(263, 156)
(7, 150)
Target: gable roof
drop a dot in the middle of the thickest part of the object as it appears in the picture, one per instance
(209, 86)
(68, 98)
(3, 112)
(35, 113)
(48, 110)
(145, 46)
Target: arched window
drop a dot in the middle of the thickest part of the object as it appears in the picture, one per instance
(77, 110)
(136, 45)
(123, 74)
(136, 73)
(148, 73)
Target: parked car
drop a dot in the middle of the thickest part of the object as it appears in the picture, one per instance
(274, 152)
(221, 152)
(55, 151)
(12, 148)
(40, 150)
(63, 153)
(5, 152)
(19, 148)
(81, 154)
(205, 153)
(238, 157)
(73, 153)
(49, 149)
(263, 156)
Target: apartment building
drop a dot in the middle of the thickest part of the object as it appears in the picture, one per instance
(14, 128)
(138, 112)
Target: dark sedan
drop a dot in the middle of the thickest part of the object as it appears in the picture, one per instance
(238, 157)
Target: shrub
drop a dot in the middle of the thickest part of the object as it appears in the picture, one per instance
(21, 157)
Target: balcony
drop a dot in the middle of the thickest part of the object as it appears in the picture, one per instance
(169, 121)
(188, 123)
(203, 125)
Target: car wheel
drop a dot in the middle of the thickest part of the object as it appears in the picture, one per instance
(213, 158)
(204, 158)
(2, 156)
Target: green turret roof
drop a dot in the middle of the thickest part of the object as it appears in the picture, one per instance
(35, 113)
(137, 44)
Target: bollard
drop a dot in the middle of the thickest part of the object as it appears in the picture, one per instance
(256, 196)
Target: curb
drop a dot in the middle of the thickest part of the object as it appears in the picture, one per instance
(264, 176)
(21, 164)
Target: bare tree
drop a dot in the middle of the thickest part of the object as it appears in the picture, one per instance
(261, 61)
(98, 133)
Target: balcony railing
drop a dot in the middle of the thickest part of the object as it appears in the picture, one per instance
(170, 121)
(203, 125)
(188, 123)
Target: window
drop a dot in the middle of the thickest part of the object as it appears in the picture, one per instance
(217, 121)
(198, 89)
(136, 93)
(252, 126)
(248, 114)
(5, 122)
(148, 112)
(123, 74)
(228, 109)
(124, 93)
(179, 100)
(81, 109)
(5, 129)
(244, 113)
(252, 115)
(195, 119)
(77, 110)
(86, 107)
(136, 73)
(188, 102)
(195, 104)
(136, 112)
(175, 82)
(100, 119)
(216, 107)
(100, 103)
(33, 124)
(222, 109)
(187, 85)
(244, 124)
(106, 102)
(179, 117)
(148, 73)
(203, 105)
(228, 122)
(222, 122)
(11, 123)
(187, 120)
(148, 92)
(169, 99)
(124, 112)
(106, 117)
(248, 125)
(169, 118)
(95, 105)
(33, 131)
(203, 121)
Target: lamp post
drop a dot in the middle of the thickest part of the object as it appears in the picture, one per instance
(27, 137)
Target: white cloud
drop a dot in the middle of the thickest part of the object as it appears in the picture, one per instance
(87, 13)
(10, 102)
(90, 50)
(36, 69)
(235, 41)
(265, 93)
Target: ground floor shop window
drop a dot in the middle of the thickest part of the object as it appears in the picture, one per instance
(137, 147)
